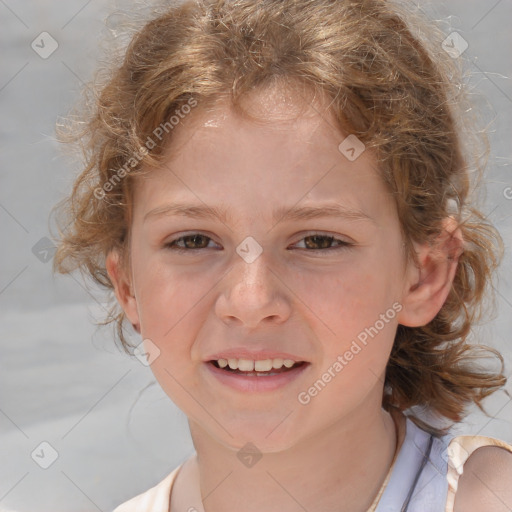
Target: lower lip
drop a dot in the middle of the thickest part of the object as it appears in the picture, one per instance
(256, 384)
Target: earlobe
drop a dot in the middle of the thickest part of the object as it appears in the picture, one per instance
(123, 288)
(429, 282)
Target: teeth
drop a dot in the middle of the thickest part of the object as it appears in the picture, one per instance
(262, 365)
(245, 365)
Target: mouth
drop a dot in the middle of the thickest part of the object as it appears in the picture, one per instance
(260, 371)
(255, 376)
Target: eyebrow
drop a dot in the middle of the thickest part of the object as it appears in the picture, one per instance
(332, 210)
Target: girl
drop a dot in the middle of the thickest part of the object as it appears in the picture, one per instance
(278, 192)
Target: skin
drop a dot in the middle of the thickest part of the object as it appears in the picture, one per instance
(334, 452)
(485, 483)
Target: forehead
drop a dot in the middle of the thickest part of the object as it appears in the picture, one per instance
(300, 113)
(286, 152)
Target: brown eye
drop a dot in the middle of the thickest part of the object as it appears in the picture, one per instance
(312, 243)
(317, 242)
(193, 242)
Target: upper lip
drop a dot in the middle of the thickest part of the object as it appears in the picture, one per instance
(253, 355)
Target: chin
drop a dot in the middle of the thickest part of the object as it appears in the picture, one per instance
(266, 437)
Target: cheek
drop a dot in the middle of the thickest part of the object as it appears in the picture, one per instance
(348, 297)
(167, 296)
(356, 346)
(354, 316)
(170, 304)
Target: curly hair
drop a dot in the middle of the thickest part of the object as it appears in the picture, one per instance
(396, 89)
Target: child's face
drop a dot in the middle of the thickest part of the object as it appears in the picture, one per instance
(312, 303)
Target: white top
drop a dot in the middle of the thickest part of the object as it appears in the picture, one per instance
(423, 477)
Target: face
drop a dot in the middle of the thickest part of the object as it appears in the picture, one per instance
(323, 289)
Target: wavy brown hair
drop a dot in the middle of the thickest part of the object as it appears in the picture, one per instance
(396, 90)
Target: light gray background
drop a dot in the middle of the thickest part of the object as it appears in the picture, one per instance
(64, 382)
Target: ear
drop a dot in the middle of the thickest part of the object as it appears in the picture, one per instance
(428, 284)
(123, 288)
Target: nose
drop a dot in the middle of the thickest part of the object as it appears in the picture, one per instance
(252, 293)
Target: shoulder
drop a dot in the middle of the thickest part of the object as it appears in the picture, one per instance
(485, 473)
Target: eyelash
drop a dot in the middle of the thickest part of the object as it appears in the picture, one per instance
(342, 243)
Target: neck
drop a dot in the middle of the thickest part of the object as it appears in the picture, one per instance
(340, 468)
